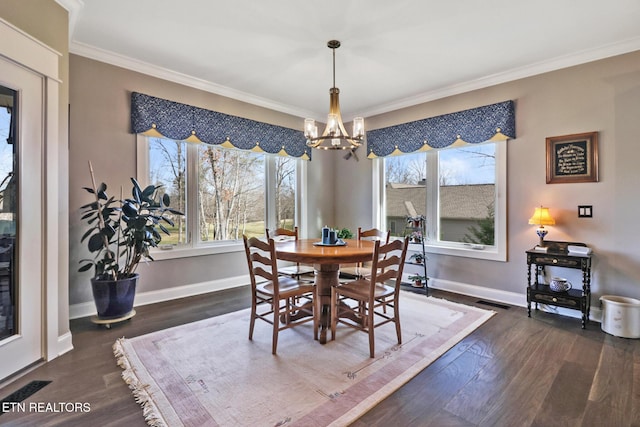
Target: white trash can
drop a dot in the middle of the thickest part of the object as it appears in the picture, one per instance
(620, 316)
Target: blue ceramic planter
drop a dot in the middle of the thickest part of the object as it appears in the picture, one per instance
(114, 298)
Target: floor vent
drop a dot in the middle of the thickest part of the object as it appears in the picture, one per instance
(21, 394)
(493, 304)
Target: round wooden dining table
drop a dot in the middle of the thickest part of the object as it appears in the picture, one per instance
(326, 261)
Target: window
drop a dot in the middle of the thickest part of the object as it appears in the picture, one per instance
(224, 193)
(460, 191)
(231, 193)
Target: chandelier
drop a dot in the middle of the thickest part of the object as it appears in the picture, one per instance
(334, 137)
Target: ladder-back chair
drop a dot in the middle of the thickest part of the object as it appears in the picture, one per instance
(368, 303)
(281, 301)
(361, 270)
(298, 270)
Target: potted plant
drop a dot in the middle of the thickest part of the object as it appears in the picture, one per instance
(344, 233)
(415, 237)
(120, 234)
(418, 258)
(416, 221)
(418, 280)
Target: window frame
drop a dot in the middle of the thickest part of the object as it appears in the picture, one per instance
(193, 247)
(497, 252)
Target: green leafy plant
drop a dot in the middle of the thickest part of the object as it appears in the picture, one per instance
(121, 231)
(417, 278)
(344, 233)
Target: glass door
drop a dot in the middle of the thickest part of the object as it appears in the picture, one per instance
(21, 218)
(8, 199)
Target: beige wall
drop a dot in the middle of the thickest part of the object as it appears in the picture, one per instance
(48, 22)
(601, 96)
(100, 132)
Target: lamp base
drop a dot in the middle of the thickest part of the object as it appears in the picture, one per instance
(541, 232)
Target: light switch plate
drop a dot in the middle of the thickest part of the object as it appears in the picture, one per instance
(585, 211)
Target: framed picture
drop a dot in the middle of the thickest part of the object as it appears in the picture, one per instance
(572, 158)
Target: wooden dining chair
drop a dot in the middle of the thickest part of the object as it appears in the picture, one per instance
(281, 301)
(361, 270)
(298, 270)
(366, 304)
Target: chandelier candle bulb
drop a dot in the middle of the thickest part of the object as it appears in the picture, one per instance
(358, 127)
(310, 128)
(332, 124)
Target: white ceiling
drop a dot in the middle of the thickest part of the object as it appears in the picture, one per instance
(394, 54)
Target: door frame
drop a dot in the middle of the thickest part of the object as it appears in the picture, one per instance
(26, 51)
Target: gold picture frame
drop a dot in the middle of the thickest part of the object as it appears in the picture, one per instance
(572, 158)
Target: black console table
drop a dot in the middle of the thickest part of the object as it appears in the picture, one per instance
(558, 255)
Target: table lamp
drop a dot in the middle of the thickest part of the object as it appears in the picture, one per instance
(541, 218)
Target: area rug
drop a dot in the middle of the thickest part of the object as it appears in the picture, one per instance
(208, 373)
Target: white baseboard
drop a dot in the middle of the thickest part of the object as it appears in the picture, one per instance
(506, 297)
(65, 343)
(143, 298)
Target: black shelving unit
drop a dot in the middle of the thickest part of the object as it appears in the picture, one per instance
(417, 225)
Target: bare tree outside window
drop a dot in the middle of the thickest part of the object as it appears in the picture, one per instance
(228, 187)
(168, 160)
(231, 196)
(285, 192)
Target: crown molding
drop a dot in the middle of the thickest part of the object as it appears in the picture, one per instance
(566, 61)
(126, 62)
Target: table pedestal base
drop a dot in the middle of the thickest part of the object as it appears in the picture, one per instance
(327, 275)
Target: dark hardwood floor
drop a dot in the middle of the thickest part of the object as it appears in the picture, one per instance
(512, 371)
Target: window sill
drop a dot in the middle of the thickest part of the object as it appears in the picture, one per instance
(186, 252)
(467, 251)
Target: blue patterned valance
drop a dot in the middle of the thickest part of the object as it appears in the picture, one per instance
(160, 117)
(489, 123)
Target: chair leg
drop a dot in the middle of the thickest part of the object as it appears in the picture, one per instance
(252, 322)
(396, 320)
(276, 327)
(372, 341)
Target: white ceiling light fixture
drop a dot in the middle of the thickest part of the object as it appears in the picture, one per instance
(334, 137)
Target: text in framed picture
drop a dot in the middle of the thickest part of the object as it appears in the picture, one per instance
(572, 158)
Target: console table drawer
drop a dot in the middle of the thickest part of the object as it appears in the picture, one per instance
(558, 300)
(559, 261)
